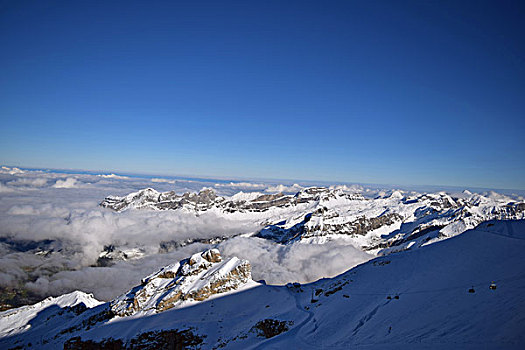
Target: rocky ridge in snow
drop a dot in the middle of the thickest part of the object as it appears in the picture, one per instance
(198, 278)
(207, 199)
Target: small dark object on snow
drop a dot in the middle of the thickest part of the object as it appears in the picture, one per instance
(471, 290)
(492, 286)
(396, 297)
(314, 300)
(346, 296)
(389, 297)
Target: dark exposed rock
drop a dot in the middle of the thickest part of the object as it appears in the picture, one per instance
(269, 328)
(12, 297)
(162, 339)
(361, 226)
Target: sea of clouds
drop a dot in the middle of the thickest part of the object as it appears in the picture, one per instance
(52, 231)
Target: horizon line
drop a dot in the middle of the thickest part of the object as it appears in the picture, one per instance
(234, 178)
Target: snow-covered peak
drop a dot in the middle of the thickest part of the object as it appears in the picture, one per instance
(197, 278)
(397, 195)
(16, 320)
(245, 196)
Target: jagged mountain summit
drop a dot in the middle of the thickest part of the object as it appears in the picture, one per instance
(464, 292)
(198, 278)
(317, 214)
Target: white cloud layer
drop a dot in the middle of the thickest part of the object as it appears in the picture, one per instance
(285, 189)
(52, 231)
(114, 176)
(10, 171)
(243, 185)
(61, 213)
(70, 182)
(280, 264)
(160, 180)
(28, 182)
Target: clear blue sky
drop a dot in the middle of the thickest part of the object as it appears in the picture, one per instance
(414, 92)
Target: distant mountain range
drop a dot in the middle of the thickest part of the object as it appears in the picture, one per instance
(318, 214)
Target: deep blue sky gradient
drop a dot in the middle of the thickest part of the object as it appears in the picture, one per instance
(413, 92)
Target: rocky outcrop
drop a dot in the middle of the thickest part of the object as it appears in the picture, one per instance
(162, 339)
(194, 279)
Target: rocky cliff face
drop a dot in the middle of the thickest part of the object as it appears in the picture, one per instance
(197, 278)
(397, 222)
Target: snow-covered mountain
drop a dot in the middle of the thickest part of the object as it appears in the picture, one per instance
(317, 215)
(198, 278)
(15, 321)
(464, 292)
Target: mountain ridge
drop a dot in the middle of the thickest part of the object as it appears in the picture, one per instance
(318, 214)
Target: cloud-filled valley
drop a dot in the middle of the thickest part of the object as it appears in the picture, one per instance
(52, 231)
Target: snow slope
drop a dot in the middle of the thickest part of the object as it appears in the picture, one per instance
(15, 321)
(416, 299)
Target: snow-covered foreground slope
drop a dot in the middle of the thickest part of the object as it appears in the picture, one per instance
(417, 299)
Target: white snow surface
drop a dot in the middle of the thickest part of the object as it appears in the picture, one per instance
(17, 321)
(416, 299)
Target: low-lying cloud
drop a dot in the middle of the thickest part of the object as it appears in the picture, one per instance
(284, 188)
(241, 185)
(280, 264)
(28, 182)
(52, 231)
(70, 182)
(113, 176)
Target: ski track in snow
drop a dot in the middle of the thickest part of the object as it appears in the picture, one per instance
(368, 317)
